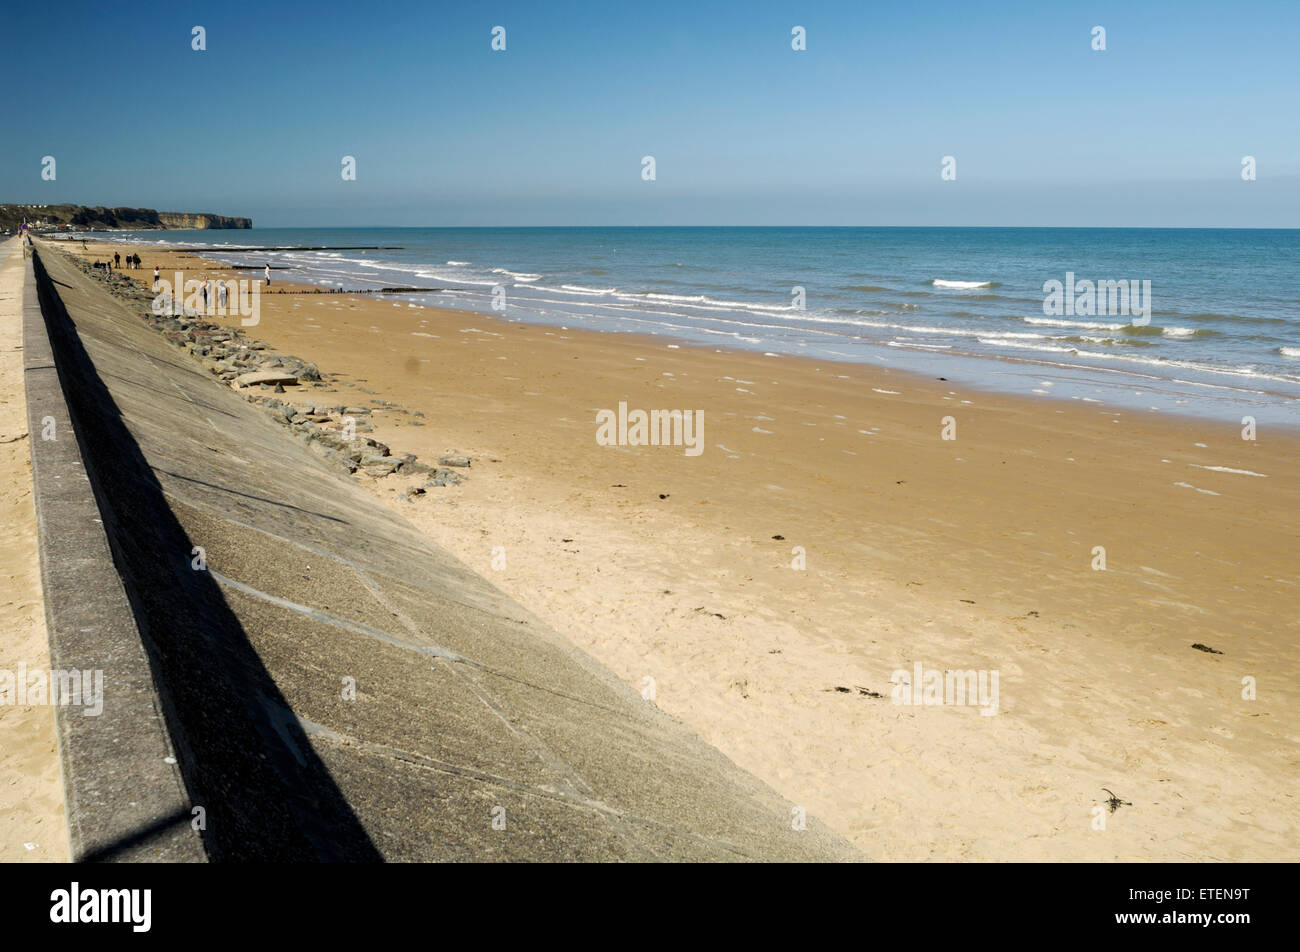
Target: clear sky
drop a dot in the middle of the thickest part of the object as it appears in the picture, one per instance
(743, 129)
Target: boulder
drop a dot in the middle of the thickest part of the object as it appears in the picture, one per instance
(378, 466)
(446, 477)
(264, 377)
(333, 456)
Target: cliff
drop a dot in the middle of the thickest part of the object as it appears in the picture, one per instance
(200, 220)
(99, 218)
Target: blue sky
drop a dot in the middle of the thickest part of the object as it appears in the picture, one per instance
(744, 130)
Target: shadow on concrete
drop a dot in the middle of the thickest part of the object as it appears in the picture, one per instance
(137, 838)
(244, 757)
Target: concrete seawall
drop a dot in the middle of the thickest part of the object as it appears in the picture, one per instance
(249, 585)
(125, 795)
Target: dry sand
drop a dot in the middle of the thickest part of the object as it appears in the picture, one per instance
(32, 824)
(968, 554)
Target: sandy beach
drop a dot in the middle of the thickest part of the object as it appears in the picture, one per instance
(829, 536)
(32, 825)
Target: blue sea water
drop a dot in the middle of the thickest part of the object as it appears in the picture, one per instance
(1222, 337)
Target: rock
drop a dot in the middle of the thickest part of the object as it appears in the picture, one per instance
(378, 466)
(335, 441)
(446, 477)
(279, 388)
(451, 460)
(264, 377)
(356, 449)
(333, 456)
(310, 372)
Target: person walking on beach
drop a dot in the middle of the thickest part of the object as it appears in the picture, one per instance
(205, 296)
(117, 259)
(155, 278)
(221, 297)
(268, 275)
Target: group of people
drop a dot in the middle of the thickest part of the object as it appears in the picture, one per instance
(220, 296)
(132, 261)
(211, 295)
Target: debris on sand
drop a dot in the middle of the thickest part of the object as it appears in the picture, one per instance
(1115, 802)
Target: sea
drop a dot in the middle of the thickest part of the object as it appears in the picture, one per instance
(1202, 322)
